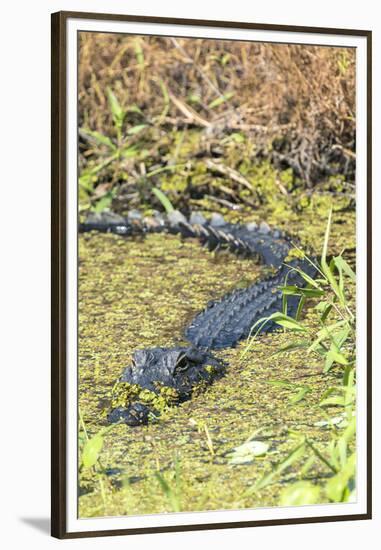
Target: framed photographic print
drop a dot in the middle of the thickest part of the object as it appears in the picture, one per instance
(211, 300)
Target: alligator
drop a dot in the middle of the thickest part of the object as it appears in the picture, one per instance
(161, 377)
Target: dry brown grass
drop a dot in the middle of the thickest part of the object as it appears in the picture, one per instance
(298, 99)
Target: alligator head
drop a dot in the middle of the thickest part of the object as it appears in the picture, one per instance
(158, 378)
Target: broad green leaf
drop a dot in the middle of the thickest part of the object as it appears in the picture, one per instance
(327, 330)
(325, 333)
(299, 395)
(321, 350)
(287, 322)
(91, 450)
(341, 337)
(348, 375)
(299, 494)
(339, 401)
(334, 356)
(86, 182)
(103, 203)
(321, 306)
(337, 356)
(337, 488)
(342, 264)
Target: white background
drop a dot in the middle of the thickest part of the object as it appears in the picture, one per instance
(25, 265)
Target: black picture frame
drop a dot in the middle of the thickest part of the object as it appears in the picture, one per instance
(58, 271)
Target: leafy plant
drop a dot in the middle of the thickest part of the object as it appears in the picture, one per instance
(109, 151)
(334, 344)
(336, 457)
(91, 449)
(334, 341)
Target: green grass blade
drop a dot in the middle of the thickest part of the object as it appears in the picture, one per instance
(345, 267)
(136, 129)
(286, 322)
(300, 307)
(92, 450)
(98, 137)
(306, 277)
(326, 268)
(220, 100)
(169, 493)
(139, 54)
(292, 347)
(326, 238)
(300, 395)
(163, 199)
(266, 480)
(292, 290)
(117, 112)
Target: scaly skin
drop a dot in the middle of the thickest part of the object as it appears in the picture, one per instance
(160, 377)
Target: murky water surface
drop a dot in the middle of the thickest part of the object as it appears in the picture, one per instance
(142, 293)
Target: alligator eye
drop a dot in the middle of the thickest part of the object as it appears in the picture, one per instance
(181, 363)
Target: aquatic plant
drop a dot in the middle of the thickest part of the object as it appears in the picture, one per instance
(334, 344)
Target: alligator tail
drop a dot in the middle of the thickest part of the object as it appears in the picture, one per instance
(228, 320)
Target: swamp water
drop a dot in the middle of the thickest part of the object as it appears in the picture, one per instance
(142, 293)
